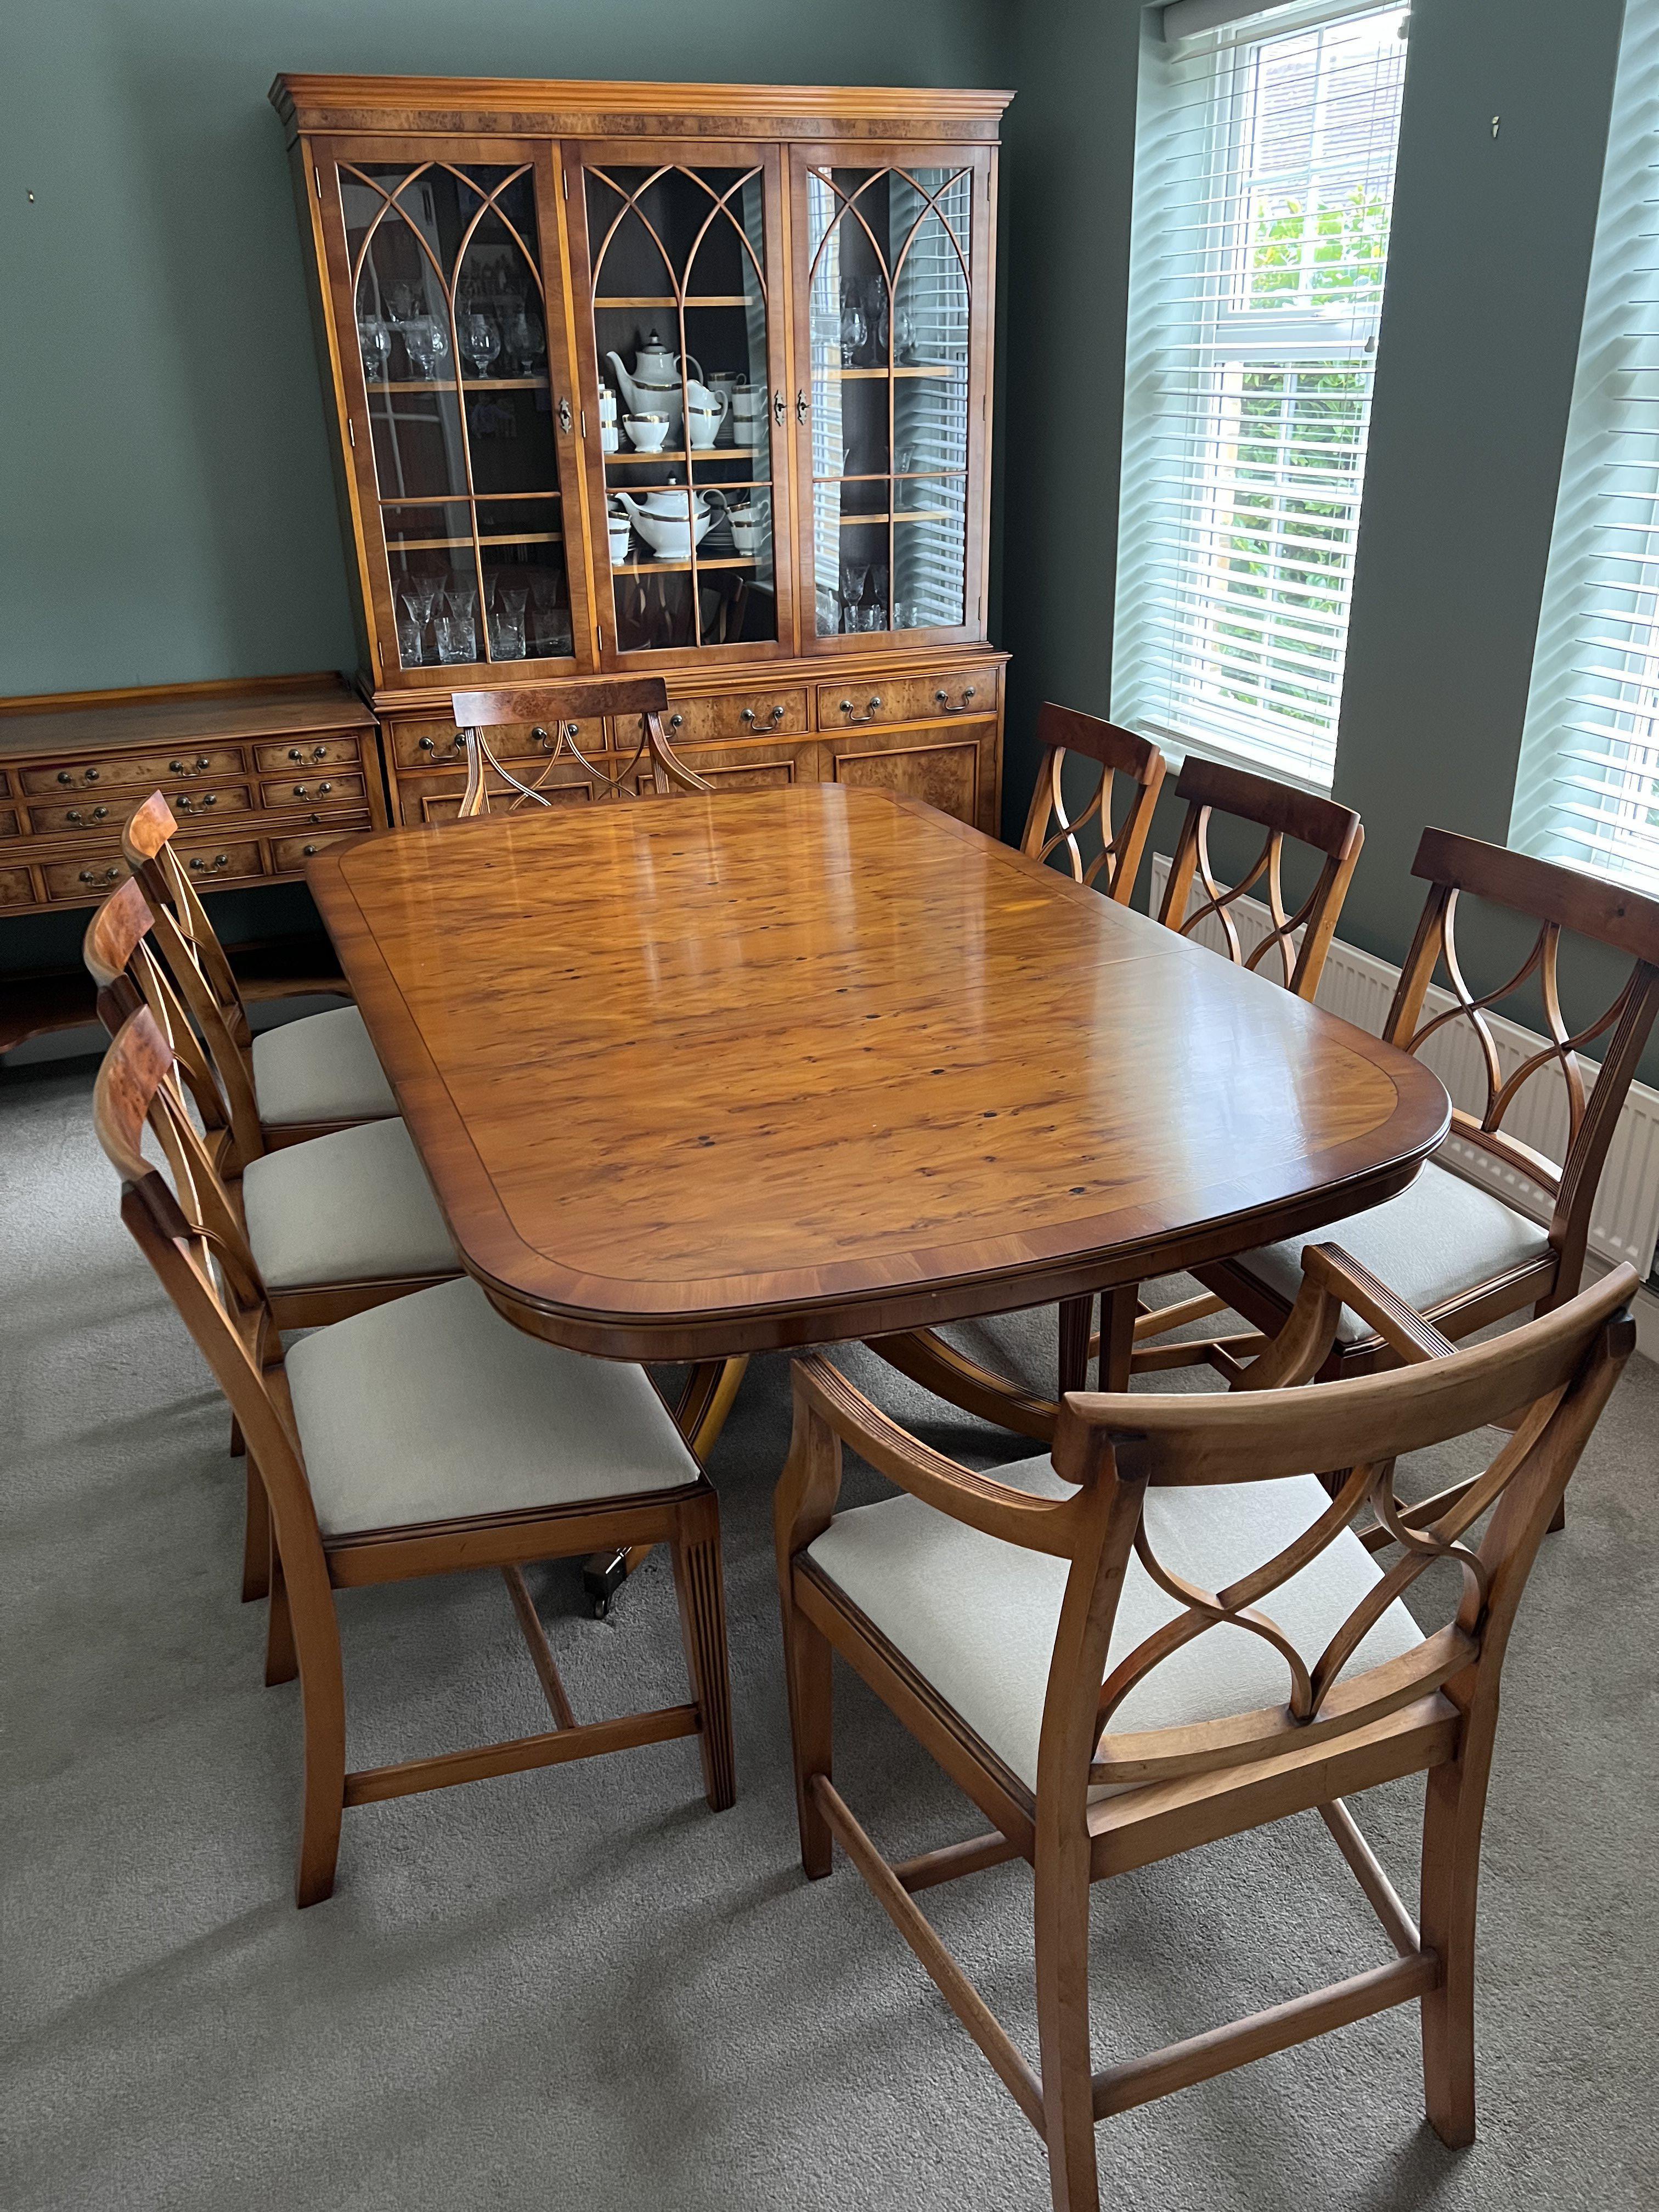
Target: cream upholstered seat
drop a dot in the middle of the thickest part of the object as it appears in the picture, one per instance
(433, 1407)
(1439, 1235)
(978, 1617)
(352, 1208)
(320, 1068)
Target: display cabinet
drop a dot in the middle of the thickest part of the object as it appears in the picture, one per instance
(686, 377)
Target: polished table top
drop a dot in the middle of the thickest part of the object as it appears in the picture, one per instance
(697, 1076)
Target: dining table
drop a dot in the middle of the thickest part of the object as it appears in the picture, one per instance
(703, 1076)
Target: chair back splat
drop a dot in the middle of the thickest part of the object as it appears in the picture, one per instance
(559, 710)
(127, 973)
(1281, 811)
(1115, 853)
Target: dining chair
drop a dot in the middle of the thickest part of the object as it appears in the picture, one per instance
(1453, 1248)
(425, 1437)
(334, 1225)
(1047, 1633)
(562, 708)
(302, 1078)
(1066, 734)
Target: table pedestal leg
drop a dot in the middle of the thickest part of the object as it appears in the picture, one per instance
(1118, 1310)
(1075, 1316)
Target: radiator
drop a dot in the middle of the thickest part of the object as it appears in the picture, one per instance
(1359, 987)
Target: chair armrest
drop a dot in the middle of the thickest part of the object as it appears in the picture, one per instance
(823, 1397)
(1398, 1325)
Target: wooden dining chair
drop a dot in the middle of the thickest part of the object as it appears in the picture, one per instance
(1049, 1634)
(334, 1225)
(1452, 1248)
(561, 708)
(1065, 735)
(302, 1078)
(425, 1437)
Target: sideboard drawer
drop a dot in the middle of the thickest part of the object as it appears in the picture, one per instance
(859, 701)
(15, 889)
(289, 855)
(84, 881)
(438, 745)
(307, 753)
(315, 790)
(130, 768)
(108, 816)
(734, 715)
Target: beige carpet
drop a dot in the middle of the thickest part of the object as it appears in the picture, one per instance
(579, 1988)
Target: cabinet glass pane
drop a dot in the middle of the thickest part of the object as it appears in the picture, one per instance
(680, 309)
(451, 332)
(888, 309)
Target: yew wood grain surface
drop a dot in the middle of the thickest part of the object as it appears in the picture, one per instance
(798, 1064)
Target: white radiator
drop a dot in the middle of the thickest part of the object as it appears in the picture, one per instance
(1360, 987)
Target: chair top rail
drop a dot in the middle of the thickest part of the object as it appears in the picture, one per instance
(1593, 906)
(560, 702)
(1322, 823)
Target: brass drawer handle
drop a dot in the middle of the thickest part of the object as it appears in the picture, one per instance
(87, 775)
(873, 709)
(301, 790)
(942, 698)
(109, 876)
(309, 852)
(427, 745)
(211, 867)
(675, 722)
(98, 814)
(539, 737)
(177, 768)
(777, 715)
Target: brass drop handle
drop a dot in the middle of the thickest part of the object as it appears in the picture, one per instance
(180, 767)
(211, 867)
(319, 752)
(109, 876)
(873, 709)
(309, 852)
(321, 792)
(675, 722)
(427, 745)
(294, 754)
(183, 803)
(203, 763)
(748, 714)
(969, 692)
(98, 814)
(539, 737)
(209, 799)
(64, 777)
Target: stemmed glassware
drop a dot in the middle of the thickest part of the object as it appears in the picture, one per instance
(855, 328)
(478, 340)
(417, 595)
(375, 340)
(426, 344)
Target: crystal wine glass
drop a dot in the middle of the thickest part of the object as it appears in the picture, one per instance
(478, 341)
(375, 341)
(855, 330)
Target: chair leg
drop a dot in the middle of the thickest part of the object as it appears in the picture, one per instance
(1452, 1815)
(238, 1442)
(1062, 1991)
(699, 1586)
(281, 1663)
(256, 1539)
(808, 1673)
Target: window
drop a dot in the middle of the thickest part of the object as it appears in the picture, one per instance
(1588, 789)
(1264, 181)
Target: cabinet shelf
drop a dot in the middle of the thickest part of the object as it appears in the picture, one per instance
(466, 384)
(682, 568)
(849, 375)
(667, 299)
(436, 545)
(903, 515)
(697, 453)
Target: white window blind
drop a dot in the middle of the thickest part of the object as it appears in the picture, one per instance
(1588, 788)
(1264, 180)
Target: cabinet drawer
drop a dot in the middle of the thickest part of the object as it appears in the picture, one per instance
(438, 745)
(289, 855)
(307, 753)
(440, 799)
(948, 767)
(734, 715)
(315, 790)
(107, 816)
(757, 766)
(15, 889)
(126, 769)
(859, 700)
(85, 881)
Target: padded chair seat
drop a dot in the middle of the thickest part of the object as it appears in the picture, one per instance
(352, 1208)
(1441, 1236)
(321, 1068)
(434, 1408)
(978, 1617)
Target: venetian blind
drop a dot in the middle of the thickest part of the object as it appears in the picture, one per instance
(1588, 789)
(1264, 181)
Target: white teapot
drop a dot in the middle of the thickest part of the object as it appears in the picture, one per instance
(654, 388)
(671, 520)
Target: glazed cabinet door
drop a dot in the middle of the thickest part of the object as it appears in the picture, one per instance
(448, 309)
(891, 274)
(679, 274)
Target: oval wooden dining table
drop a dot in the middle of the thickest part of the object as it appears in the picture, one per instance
(700, 1077)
